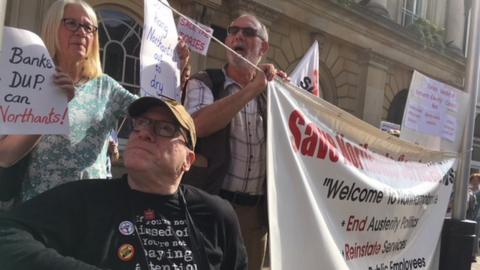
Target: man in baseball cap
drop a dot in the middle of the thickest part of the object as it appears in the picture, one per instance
(182, 117)
(144, 220)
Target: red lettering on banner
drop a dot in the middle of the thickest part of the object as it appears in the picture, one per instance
(356, 251)
(322, 145)
(333, 152)
(313, 137)
(295, 119)
(310, 141)
(309, 144)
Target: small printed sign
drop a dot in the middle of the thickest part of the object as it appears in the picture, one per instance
(196, 35)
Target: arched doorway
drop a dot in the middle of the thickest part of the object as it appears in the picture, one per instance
(397, 107)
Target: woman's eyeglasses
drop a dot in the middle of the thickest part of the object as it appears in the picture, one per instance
(246, 31)
(73, 25)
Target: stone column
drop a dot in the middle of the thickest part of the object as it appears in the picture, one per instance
(455, 24)
(374, 90)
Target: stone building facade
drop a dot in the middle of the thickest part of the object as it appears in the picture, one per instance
(368, 48)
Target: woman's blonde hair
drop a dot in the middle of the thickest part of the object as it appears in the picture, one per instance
(91, 67)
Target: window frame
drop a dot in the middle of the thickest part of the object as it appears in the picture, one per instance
(413, 14)
(135, 29)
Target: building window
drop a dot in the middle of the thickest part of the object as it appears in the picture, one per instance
(120, 39)
(411, 10)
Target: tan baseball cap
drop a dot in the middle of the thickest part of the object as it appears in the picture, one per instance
(143, 104)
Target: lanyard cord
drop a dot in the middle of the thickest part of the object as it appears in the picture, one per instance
(199, 253)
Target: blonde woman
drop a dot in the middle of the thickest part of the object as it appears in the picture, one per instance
(70, 34)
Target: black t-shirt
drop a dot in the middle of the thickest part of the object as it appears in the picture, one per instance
(92, 224)
(162, 229)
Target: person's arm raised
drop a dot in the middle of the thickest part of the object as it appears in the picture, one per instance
(217, 115)
(183, 53)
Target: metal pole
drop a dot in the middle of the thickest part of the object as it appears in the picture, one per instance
(3, 8)
(458, 234)
(471, 85)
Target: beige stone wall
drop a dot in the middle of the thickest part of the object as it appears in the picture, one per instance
(343, 62)
(288, 44)
(26, 14)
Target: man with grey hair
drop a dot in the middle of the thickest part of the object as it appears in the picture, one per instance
(229, 110)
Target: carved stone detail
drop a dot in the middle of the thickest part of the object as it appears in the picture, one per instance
(263, 13)
(381, 60)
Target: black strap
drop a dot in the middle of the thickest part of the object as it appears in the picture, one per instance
(217, 77)
(199, 253)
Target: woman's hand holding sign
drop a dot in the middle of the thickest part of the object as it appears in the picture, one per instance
(64, 82)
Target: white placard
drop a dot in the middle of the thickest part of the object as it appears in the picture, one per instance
(434, 114)
(30, 103)
(159, 71)
(449, 128)
(196, 39)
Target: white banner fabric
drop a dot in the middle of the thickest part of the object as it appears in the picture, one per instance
(159, 72)
(306, 74)
(344, 195)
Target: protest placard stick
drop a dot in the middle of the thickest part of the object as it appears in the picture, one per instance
(214, 38)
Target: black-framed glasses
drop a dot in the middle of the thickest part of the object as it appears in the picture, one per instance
(160, 128)
(73, 25)
(246, 31)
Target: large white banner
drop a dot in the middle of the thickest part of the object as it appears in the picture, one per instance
(344, 195)
(30, 103)
(434, 114)
(159, 72)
